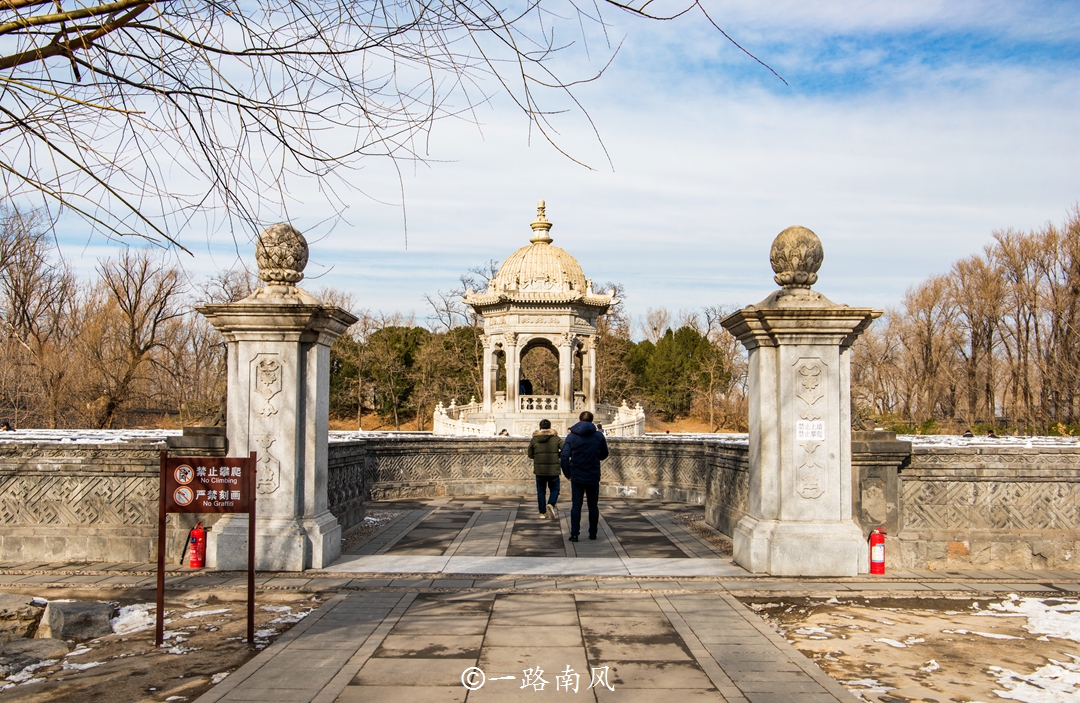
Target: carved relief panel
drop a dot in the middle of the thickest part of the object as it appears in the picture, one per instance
(266, 382)
(810, 453)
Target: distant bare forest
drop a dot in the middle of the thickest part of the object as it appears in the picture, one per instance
(992, 343)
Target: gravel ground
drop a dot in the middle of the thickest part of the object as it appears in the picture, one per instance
(938, 649)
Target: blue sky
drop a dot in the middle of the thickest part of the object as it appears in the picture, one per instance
(905, 135)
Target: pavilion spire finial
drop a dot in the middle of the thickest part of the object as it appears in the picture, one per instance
(541, 227)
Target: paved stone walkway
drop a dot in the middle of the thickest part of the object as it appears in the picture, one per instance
(416, 647)
(454, 583)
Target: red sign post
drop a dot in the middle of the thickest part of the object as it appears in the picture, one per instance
(206, 485)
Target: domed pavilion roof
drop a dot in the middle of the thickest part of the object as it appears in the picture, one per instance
(539, 272)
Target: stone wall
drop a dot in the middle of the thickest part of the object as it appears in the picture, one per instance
(729, 484)
(985, 507)
(977, 505)
(387, 467)
(79, 502)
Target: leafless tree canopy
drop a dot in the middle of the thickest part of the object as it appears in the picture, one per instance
(993, 342)
(139, 114)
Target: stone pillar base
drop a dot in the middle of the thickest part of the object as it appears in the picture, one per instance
(783, 548)
(281, 544)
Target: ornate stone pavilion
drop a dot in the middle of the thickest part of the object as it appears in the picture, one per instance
(539, 298)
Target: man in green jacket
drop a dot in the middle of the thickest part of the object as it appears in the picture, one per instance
(544, 451)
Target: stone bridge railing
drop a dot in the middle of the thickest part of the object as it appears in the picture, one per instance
(946, 503)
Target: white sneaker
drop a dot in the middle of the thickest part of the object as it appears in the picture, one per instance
(551, 514)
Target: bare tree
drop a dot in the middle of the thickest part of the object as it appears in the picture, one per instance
(136, 297)
(40, 297)
(655, 323)
(139, 114)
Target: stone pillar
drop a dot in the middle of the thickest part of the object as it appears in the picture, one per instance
(799, 519)
(278, 406)
(512, 373)
(566, 374)
(491, 373)
(588, 376)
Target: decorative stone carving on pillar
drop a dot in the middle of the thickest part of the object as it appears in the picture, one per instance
(799, 518)
(278, 406)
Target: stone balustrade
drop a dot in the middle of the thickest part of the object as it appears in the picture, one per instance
(538, 403)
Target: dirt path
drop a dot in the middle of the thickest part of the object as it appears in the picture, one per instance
(941, 649)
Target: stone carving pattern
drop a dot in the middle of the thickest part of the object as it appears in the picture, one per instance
(962, 458)
(810, 472)
(267, 377)
(78, 500)
(268, 476)
(965, 505)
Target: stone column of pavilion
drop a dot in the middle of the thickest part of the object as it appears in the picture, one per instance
(279, 341)
(799, 520)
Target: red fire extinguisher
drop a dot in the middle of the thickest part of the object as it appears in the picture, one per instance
(877, 551)
(197, 543)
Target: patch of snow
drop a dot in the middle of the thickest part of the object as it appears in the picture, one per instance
(27, 673)
(1061, 620)
(995, 636)
(263, 634)
(275, 608)
(79, 650)
(73, 666)
(891, 643)
(133, 618)
(861, 686)
(758, 607)
(913, 640)
(182, 650)
(811, 631)
(930, 666)
(1057, 682)
(955, 441)
(218, 678)
(204, 613)
(289, 618)
(176, 698)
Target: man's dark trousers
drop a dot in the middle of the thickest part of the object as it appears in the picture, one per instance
(543, 483)
(590, 491)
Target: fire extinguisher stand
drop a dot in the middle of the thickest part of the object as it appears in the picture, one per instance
(247, 467)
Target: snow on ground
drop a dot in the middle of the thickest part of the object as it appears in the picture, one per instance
(133, 618)
(1052, 618)
(1057, 682)
(967, 650)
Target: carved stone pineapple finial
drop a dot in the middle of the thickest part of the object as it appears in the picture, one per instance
(796, 256)
(282, 253)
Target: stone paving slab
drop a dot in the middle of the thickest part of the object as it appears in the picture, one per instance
(380, 646)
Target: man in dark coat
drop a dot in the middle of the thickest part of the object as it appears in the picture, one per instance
(544, 448)
(582, 452)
